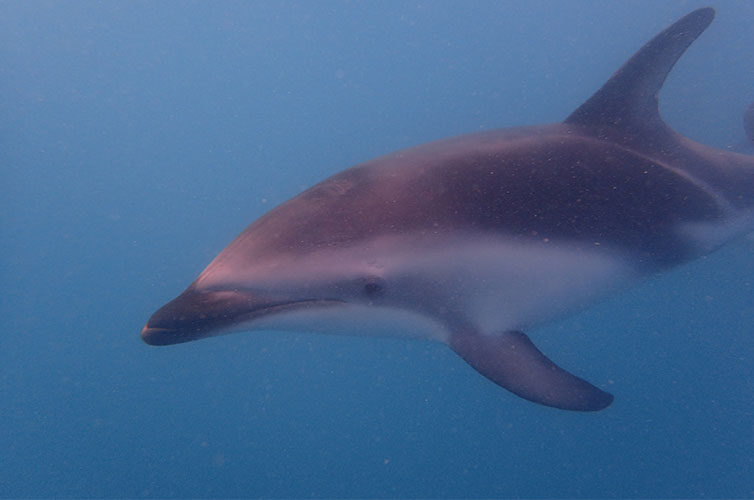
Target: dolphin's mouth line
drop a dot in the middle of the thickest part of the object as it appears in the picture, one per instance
(281, 307)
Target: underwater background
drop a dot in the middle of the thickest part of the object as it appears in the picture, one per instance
(138, 138)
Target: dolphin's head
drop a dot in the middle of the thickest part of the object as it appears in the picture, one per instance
(329, 260)
(343, 291)
(305, 296)
(306, 265)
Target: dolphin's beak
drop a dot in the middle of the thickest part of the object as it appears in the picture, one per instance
(163, 336)
(197, 314)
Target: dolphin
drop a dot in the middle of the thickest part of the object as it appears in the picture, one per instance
(471, 240)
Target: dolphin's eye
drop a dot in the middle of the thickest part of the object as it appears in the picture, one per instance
(374, 287)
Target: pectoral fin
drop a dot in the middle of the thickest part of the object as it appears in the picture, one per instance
(512, 361)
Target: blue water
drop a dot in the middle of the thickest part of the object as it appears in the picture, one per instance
(138, 138)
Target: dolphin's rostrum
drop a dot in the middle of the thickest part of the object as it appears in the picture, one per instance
(470, 240)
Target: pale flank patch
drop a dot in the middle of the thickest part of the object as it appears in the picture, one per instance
(707, 236)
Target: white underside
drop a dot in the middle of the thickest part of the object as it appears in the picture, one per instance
(356, 320)
(432, 286)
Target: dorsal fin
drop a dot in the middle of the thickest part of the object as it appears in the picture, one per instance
(628, 101)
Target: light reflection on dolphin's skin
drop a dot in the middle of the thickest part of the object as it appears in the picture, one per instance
(472, 239)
